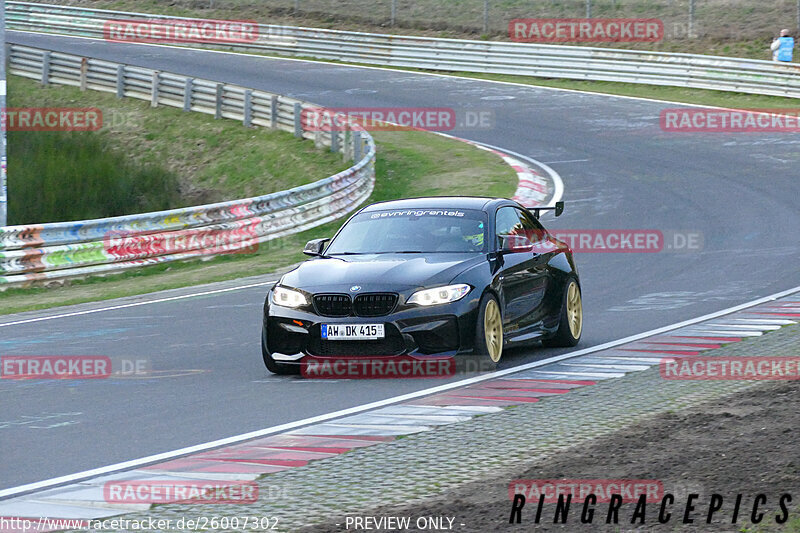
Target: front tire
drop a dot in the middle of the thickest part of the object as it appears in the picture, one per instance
(489, 330)
(272, 365)
(570, 325)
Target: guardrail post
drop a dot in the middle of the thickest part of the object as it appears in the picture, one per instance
(347, 147)
(356, 146)
(273, 111)
(45, 68)
(218, 110)
(154, 89)
(84, 72)
(187, 94)
(120, 81)
(334, 139)
(248, 108)
(298, 122)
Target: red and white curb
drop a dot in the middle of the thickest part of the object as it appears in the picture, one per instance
(535, 187)
(248, 460)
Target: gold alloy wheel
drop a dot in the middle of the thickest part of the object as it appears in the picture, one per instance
(493, 330)
(574, 310)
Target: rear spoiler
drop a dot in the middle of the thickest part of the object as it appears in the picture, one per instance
(558, 208)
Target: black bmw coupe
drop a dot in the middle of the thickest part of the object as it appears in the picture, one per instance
(424, 276)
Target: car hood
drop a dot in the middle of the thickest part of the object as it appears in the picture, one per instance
(374, 272)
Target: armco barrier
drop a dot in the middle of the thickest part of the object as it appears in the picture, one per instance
(571, 62)
(60, 250)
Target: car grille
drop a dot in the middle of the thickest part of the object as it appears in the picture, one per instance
(379, 304)
(392, 344)
(333, 304)
(366, 305)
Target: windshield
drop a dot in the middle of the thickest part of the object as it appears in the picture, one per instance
(412, 231)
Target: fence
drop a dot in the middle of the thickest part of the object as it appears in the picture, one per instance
(496, 57)
(683, 19)
(719, 20)
(52, 251)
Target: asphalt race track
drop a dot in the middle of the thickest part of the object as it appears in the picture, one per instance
(739, 191)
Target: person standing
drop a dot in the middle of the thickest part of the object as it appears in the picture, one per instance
(782, 47)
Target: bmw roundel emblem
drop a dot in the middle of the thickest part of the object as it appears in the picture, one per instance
(355, 288)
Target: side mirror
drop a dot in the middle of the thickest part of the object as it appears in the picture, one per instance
(314, 248)
(559, 208)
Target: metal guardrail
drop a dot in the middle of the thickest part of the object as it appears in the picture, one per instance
(59, 250)
(551, 61)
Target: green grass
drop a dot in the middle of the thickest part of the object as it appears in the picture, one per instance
(409, 164)
(61, 176)
(167, 157)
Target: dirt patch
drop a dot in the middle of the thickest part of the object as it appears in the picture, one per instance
(744, 444)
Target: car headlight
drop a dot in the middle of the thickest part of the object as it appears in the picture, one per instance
(286, 297)
(440, 295)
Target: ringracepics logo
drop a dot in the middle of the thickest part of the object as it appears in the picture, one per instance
(687, 120)
(395, 119)
(577, 502)
(377, 367)
(52, 119)
(730, 368)
(181, 31)
(585, 30)
(54, 367)
(188, 491)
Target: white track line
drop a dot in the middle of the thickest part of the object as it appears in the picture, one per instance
(558, 184)
(127, 465)
(134, 304)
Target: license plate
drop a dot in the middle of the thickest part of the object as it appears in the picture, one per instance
(359, 332)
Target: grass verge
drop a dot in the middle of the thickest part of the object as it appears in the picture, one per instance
(199, 159)
(409, 164)
(742, 28)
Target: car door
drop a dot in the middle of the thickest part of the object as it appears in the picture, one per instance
(522, 276)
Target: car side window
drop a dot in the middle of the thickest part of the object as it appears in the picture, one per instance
(533, 229)
(511, 229)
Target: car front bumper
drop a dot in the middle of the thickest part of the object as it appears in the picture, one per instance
(447, 329)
